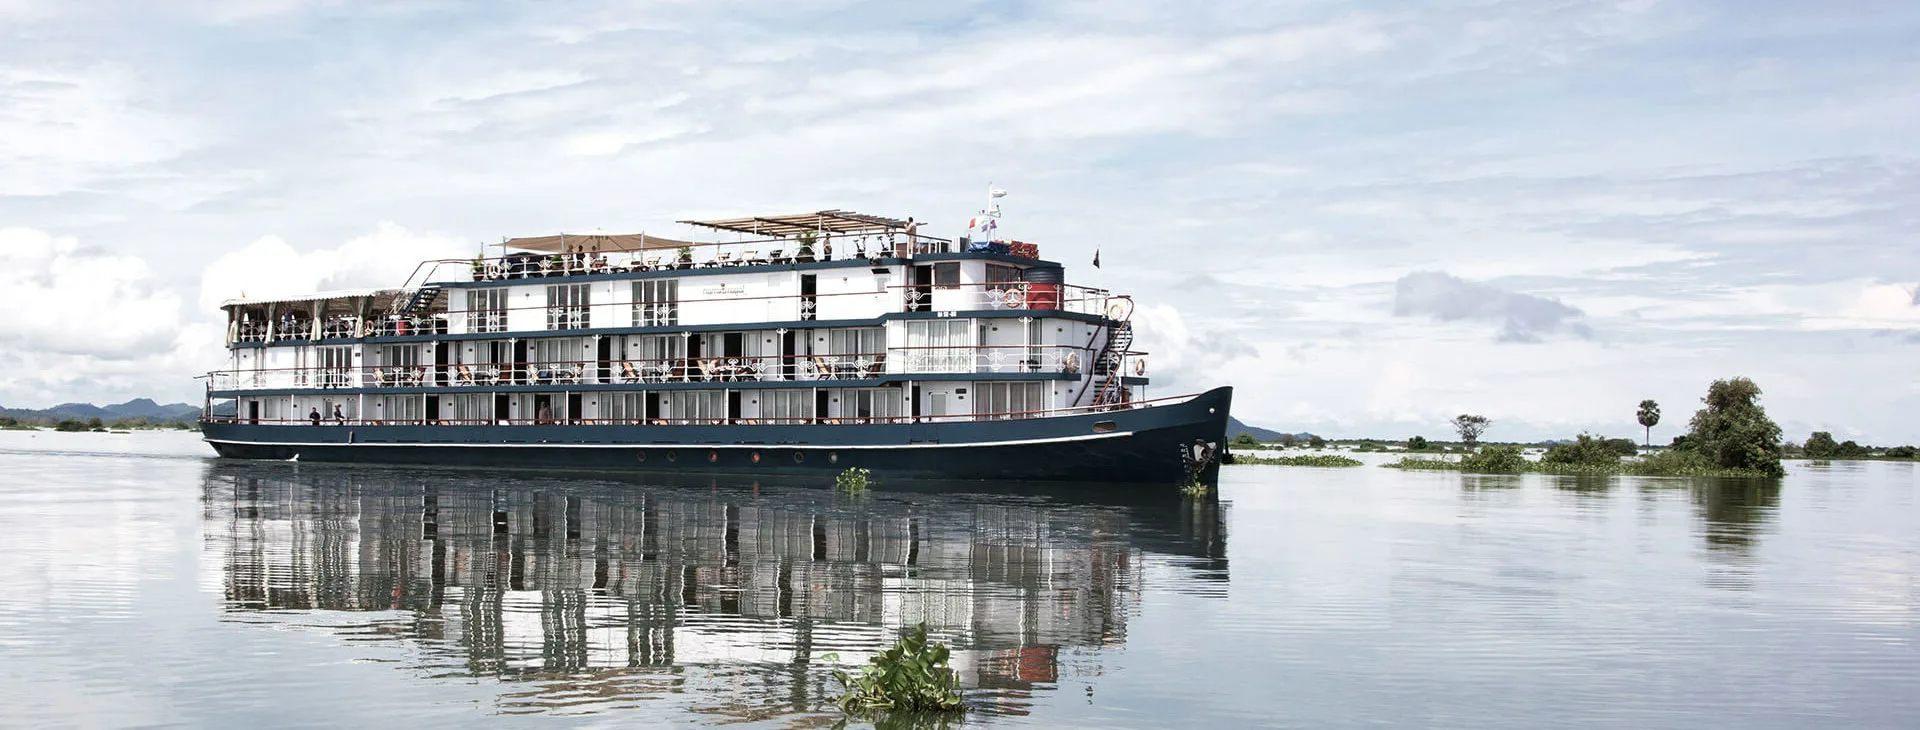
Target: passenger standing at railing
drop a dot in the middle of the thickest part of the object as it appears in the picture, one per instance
(314, 416)
(339, 419)
(913, 230)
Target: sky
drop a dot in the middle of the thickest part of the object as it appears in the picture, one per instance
(1367, 218)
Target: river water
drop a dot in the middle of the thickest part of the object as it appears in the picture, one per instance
(144, 583)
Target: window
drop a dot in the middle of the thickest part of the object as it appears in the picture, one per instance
(939, 346)
(1009, 400)
(787, 406)
(697, 406)
(870, 404)
(868, 341)
(656, 302)
(1002, 276)
(946, 275)
(467, 410)
(335, 363)
(567, 306)
(487, 310)
(623, 407)
(558, 358)
(406, 408)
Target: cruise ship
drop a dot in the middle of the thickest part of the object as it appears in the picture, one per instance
(802, 344)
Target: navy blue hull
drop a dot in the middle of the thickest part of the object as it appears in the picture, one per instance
(1128, 445)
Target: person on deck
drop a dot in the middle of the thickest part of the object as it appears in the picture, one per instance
(339, 419)
(545, 416)
(314, 416)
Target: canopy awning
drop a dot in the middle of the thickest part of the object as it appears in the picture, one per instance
(834, 222)
(595, 243)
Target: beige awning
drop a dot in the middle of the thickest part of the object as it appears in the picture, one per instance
(595, 243)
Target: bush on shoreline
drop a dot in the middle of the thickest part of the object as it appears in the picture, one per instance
(1321, 460)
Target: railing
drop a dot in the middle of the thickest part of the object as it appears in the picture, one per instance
(708, 255)
(672, 420)
(840, 366)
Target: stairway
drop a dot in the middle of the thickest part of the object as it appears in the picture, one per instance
(421, 297)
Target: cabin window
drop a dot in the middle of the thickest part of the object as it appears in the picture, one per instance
(335, 365)
(623, 407)
(567, 306)
(487, 310)
(946, 275)
(1002, 276)
(867, 405)
(402, 408)
(560, 353)
(473, 409)
(695, 406)
(787, 406)
(656, 302)
(1009, 400)
(939, 346)
(867, 341)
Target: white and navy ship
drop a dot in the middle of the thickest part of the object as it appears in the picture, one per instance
(804, 344)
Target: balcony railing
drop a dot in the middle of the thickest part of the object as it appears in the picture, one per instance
(672, 420)
(1032, 359)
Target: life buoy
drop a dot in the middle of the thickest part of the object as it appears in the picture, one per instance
(1015, 298)
(1073, 363)
(1115, 311)
(1140, 366)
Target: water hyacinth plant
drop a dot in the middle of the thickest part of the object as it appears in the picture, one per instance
(855, 479)
(913, 676)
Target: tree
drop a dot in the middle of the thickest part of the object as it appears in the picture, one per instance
(1245, 440)
(1649, 417)
(1470, 427)
(1733, 430)
(1417, 443)
(1287, 440)
(1587, 450)
(1317, 442)
(1820, 446)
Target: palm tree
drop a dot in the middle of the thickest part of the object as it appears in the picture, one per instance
(1649, 417)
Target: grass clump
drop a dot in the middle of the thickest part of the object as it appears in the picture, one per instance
(855, 480)
(1416, 463)
(1320, 460)
(913, 676)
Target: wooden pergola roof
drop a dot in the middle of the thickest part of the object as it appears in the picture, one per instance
(833, 222)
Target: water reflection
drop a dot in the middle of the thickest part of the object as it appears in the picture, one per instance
(1735, 513)
(600, 593)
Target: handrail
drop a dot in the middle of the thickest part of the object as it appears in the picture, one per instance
(328, 420)
(904, 360)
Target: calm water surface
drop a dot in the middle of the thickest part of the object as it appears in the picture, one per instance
(146, 584)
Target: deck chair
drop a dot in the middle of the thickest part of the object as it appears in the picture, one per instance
(627, 373)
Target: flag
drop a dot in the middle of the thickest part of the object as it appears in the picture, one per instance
(1096, 257)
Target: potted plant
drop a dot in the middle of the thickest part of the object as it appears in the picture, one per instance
(686, 256)
(479, 269)
(805, 253)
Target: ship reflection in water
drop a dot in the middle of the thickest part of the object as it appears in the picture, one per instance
(587, 594)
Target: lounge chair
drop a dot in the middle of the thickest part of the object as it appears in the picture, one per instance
(627, 373)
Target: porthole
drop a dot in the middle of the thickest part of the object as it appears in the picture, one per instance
(756, 457)
(799, 456)
(672, 456)
(1103, 427)
(833, 457)
(643, 456)
(713, 456)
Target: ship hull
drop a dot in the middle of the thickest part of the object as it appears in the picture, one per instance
(1125, 445)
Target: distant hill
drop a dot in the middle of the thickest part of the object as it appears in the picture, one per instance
(143, 408)
(1235, 428)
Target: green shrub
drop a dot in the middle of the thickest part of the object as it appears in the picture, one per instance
(912, 676)
(1733, 431)
(1323, 460)
(1495, 459)
(1245, 440)
(1900, 452)
(1409, 462)
(70, 426)
(1587, 450)
(855, 479)
(1623, 447)
(1417, 443)
(1820, 446)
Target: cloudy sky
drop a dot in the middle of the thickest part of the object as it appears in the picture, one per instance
(1367, 219)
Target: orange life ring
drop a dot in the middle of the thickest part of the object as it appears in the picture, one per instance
(1015, 298)
(1115, 311)
(1140, 366)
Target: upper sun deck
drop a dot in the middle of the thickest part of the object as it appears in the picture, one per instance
(830, 266)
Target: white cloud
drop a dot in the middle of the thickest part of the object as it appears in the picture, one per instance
(63, 129)
(65, 300)
(270, 267)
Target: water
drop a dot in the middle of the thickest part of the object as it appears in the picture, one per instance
(145, 584)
